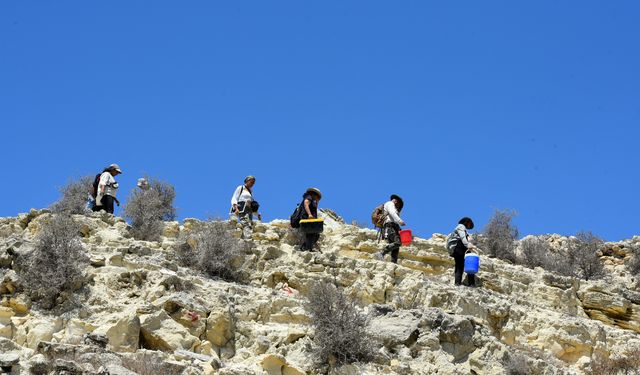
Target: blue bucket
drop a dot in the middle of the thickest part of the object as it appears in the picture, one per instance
(471, 263)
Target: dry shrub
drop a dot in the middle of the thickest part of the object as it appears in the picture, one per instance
(499, 235)
(148, 208)
(54, 269)
(627, 364)
(75, 195)
(633, 265)
(211, 248)
(536, 252)
(517, 364)
(150, 363)
(340, 334)
(583, 256)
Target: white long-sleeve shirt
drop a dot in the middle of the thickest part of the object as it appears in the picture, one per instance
(109, 184)
(242, 194)
(391, 213)
(461, 230)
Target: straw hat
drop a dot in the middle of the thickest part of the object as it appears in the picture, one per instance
(249, 178)
(315, 191)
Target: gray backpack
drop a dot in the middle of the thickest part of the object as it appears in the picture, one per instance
(451, 242)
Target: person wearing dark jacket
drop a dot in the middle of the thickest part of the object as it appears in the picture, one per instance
(463, 245)
(310, 211)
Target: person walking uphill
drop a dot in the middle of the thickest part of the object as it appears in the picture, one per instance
(244, 206)
(458, 244)
(106, 189)
(310, 202)
(391, 228)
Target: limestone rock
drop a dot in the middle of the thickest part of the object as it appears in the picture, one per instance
(160, 332)
(123, 334)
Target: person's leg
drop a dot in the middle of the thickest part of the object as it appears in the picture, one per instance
(314, 240)
(393, 238)
(471, 279)
(246, 223)
(107, 203)
(459, 268)
(308, 242)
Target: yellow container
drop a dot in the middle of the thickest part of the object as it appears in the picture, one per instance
(312, 225)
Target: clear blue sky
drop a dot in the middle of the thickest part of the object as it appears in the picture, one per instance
(460, 107)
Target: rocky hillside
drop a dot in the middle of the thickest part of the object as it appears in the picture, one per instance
(141, 312)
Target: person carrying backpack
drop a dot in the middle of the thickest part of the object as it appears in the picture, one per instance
(391, 227)
(106, 188)
(243, 206)
(458, 244)
(309, 210)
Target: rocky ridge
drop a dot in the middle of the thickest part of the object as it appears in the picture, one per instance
(141, 308)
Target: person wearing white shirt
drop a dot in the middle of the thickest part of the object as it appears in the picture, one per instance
(391, 228)
(107, 189)
(242, 203)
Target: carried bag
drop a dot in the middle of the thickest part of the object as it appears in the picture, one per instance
(378, 216)
(296, 216)
(94, 186)
(451, 242)
(254, 206)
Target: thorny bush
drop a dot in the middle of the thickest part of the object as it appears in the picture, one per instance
(55, 268)
(211, 248)
(148, 208)
(583, 255)
(75, 195)
(499, 235)
(340, 334)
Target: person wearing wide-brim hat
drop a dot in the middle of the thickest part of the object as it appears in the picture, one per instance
(391, 228)
(311, 198)
(243, 206)
(107, 189)
(463, 245)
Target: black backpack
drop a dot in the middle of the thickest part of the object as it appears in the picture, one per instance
(296, 216)
(96, 182)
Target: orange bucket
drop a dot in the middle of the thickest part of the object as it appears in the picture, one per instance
(406, 237)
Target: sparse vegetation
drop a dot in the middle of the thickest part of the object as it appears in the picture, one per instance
(583, 256)
(147, 209)
(54, 269)
(74, 196)
(340, 335)
(211, 248)
(633, 265)
(149, 363)
(499, 235)
(536, 252)
(517, 364)
(627, 364)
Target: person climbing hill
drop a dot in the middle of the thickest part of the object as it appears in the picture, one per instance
(243, 206)
(458, 244)
(309, 208)
(391, 227)
(106, 189)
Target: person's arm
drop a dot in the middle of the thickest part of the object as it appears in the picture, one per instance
(235, 197)
(393, 212)
(463, 237)
(307, 203)
(102, 185)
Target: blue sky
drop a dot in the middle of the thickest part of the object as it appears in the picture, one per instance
(459, 107)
